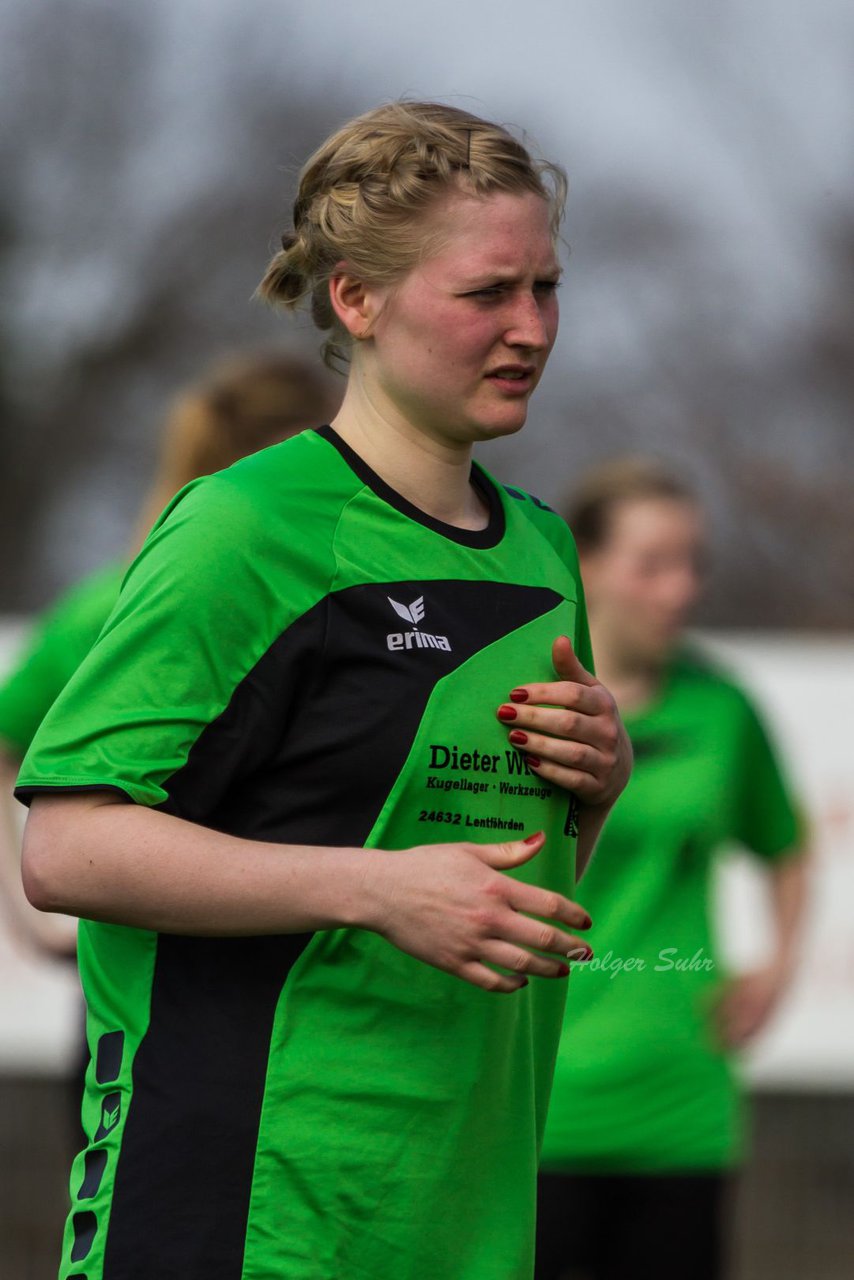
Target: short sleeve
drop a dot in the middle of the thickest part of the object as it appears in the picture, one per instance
(199, 607)
(768, 820)
(54, 649)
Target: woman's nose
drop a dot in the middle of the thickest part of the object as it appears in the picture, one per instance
(528, 325)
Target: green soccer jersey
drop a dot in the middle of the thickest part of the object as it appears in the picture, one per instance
(298, 654)
(54, 651)
(641, 1084)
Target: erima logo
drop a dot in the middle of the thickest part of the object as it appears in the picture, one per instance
(412, 613)
(414, 639)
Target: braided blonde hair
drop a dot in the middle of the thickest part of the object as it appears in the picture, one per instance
(361, 194)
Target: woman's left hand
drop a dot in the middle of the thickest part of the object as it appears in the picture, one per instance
(746, 1004)
(577, 740)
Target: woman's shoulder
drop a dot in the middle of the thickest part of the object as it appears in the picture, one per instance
(275, 493)
(294, 470)
(542, 521)
(269, 510)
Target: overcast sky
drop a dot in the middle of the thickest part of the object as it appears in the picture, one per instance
(738, 113)
(732, 121)
(741, 111)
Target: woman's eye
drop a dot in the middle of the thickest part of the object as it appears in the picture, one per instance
(494, 292)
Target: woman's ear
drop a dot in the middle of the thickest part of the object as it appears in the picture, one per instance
(355, 303)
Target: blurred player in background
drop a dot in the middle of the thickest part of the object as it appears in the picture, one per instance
(645, 1119)
(243, 404)
(326, 895)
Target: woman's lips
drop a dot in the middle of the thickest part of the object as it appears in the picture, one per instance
(512, 379)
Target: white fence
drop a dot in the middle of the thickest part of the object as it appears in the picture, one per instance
(805, 685)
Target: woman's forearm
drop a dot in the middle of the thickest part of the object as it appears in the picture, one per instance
(106, 860)
(450, 905)
(788, 885)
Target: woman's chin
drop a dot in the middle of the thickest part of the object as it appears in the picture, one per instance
(499, 427)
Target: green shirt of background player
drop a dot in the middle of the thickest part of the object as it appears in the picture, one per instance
(645, 1119)
(241, 404)
(403, 1090)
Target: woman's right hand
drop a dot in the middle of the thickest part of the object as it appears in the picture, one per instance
(450, 906)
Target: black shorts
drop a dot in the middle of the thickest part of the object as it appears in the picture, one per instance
(631, 1226)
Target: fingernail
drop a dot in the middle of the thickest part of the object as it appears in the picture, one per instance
(532, 839)
(533, 761)
(581, 954)
(518, 695)
(563, 971)
(518, 738)
(506, 713)
(587, 922)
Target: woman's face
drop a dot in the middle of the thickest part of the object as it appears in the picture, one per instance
(643, 581)
(460, 343)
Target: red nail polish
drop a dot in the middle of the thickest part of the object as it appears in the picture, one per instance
(563, 971)
(532, 839)
(518, 695)
(532, 761)
(518, 738)
(583, 954)
(506, 713)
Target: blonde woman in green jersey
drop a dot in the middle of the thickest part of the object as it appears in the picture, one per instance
(327, 896)
(645, 1121)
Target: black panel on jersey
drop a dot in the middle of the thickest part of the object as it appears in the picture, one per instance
(488, 537)
(84, 1225)
(346, 709)
(95, 1164)
(185, 1179)
(108, 1057)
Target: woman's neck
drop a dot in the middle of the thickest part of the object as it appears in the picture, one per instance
(634, 682)
(434, 475)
